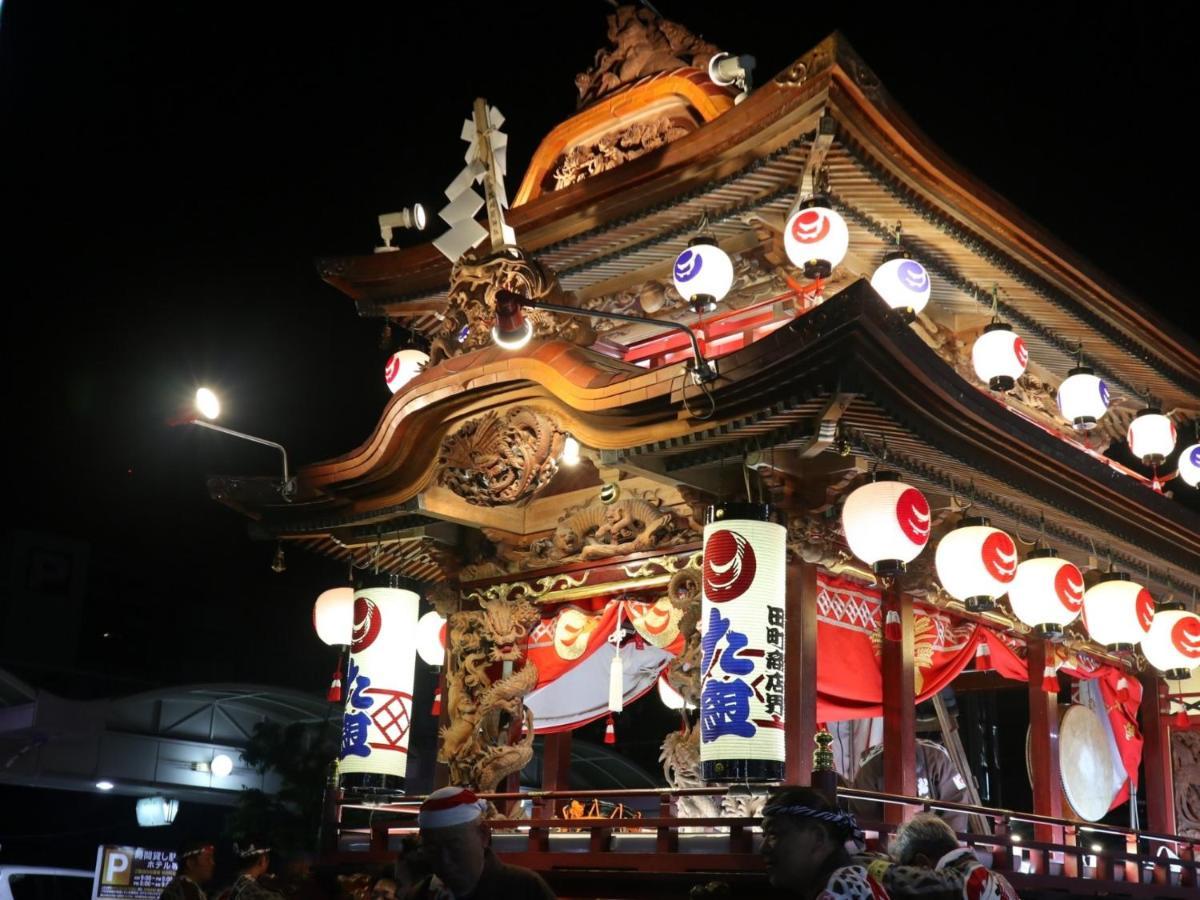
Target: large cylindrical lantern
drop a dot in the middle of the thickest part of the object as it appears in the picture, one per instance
(431, 638)
(1173, 643)
(703, 274)
(886, 523)
(903, 283)
(403, 366)
(742, 664)
(1189, 465)
(1083, 398)
(1151, 436)
(999, 356)
(379, 686)
(333, 616)
(1047, 593)
(816, 238)
(1117, 611)
(976, 563)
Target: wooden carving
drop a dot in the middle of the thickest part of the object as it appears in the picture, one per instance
(1185, 765)
(641, 44)
(618, 146)
(500, 459)
(482, 713)
(471, 303)
(680, 758)
(683, 672)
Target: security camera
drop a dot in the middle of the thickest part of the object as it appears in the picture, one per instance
(725, 69)
(413, 217)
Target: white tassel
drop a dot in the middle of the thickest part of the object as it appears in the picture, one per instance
(616, 684)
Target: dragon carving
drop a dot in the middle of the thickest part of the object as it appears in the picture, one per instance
(683, 672)
(680, 758)
(496, 460)
(1185, 759)
(471, 303)
(484, 714)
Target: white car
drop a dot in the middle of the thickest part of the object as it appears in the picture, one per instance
(38, 883)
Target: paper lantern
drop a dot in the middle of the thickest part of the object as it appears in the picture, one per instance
(379, 686)
(816, 238)
(742, 664)
(333, 616)
(976, 563)
(999, 357)
(903, 283)
(403, 366)
(431, 638)
(1151, 436)
(156, 812)
(703, 274)
(1117, 611)
(1047, 593)
(1172, 645)
(1189, 465)
(1083, 398)
(886, 523)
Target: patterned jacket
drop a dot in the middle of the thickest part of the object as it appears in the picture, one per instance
(853, 883)
(182, 888)
(958, 875)
(246, 888)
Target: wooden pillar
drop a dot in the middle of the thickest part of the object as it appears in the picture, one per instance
(1043, 747)
(1158, 786)
(800, 671)
(899, 704)
(556, 767)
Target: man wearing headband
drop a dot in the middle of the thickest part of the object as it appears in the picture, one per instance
(455, 841)
(253, 860)
(196, 862)
(807, 843)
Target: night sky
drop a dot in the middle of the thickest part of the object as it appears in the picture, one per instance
(171, 170)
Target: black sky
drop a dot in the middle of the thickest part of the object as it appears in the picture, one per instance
(170, 170)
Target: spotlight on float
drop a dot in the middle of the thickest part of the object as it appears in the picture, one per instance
(703, 274)
(815, 238)
(1047, 593)
(732, 71)
(886, 523)
(1117, 611)
(207, 403)
(1172, 645)
(411, 217)
(1151, 436)
(512, 330)
(976, 563)
(221, 765)
(570, 451)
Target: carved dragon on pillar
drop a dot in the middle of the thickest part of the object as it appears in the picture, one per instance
(1185, 766)
(482, 712)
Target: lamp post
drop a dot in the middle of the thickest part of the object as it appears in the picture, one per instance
(513, 331)
(206, 407)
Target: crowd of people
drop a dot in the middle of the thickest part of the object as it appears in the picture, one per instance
(813, 851)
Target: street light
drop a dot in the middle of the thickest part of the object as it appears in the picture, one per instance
(206, 406)
(513, 331)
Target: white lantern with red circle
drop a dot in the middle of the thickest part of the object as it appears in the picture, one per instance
(1172, 645)
(999, 356)
(403, 366)
(1117, 611)
(1151, 436)
(378, 713)
(886, 523)
(815, 238)
(431, 639)
(976, 563)
(1189, 465)
(1047, 592)
(703, 274)
(333, 616)
(903, 283)
(743, 623)
(1083, 398)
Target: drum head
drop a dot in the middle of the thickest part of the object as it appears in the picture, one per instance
(1085, 763)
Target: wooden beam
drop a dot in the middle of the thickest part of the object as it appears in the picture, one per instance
(556, 767)
(1043, 750)
(800, 671)
(1159, 785)
(899, 704)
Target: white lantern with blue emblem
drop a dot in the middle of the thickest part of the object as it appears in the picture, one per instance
(1172, 645)
(703, 274)
(999, 356)
(1189, 465)
(1083, 398)
(903, 283)
(1151, 436)
(815, 238)
(742, 665)
(886, 523)
(976, 563)
(377, 718)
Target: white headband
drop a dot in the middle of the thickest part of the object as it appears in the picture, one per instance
(450, 806)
